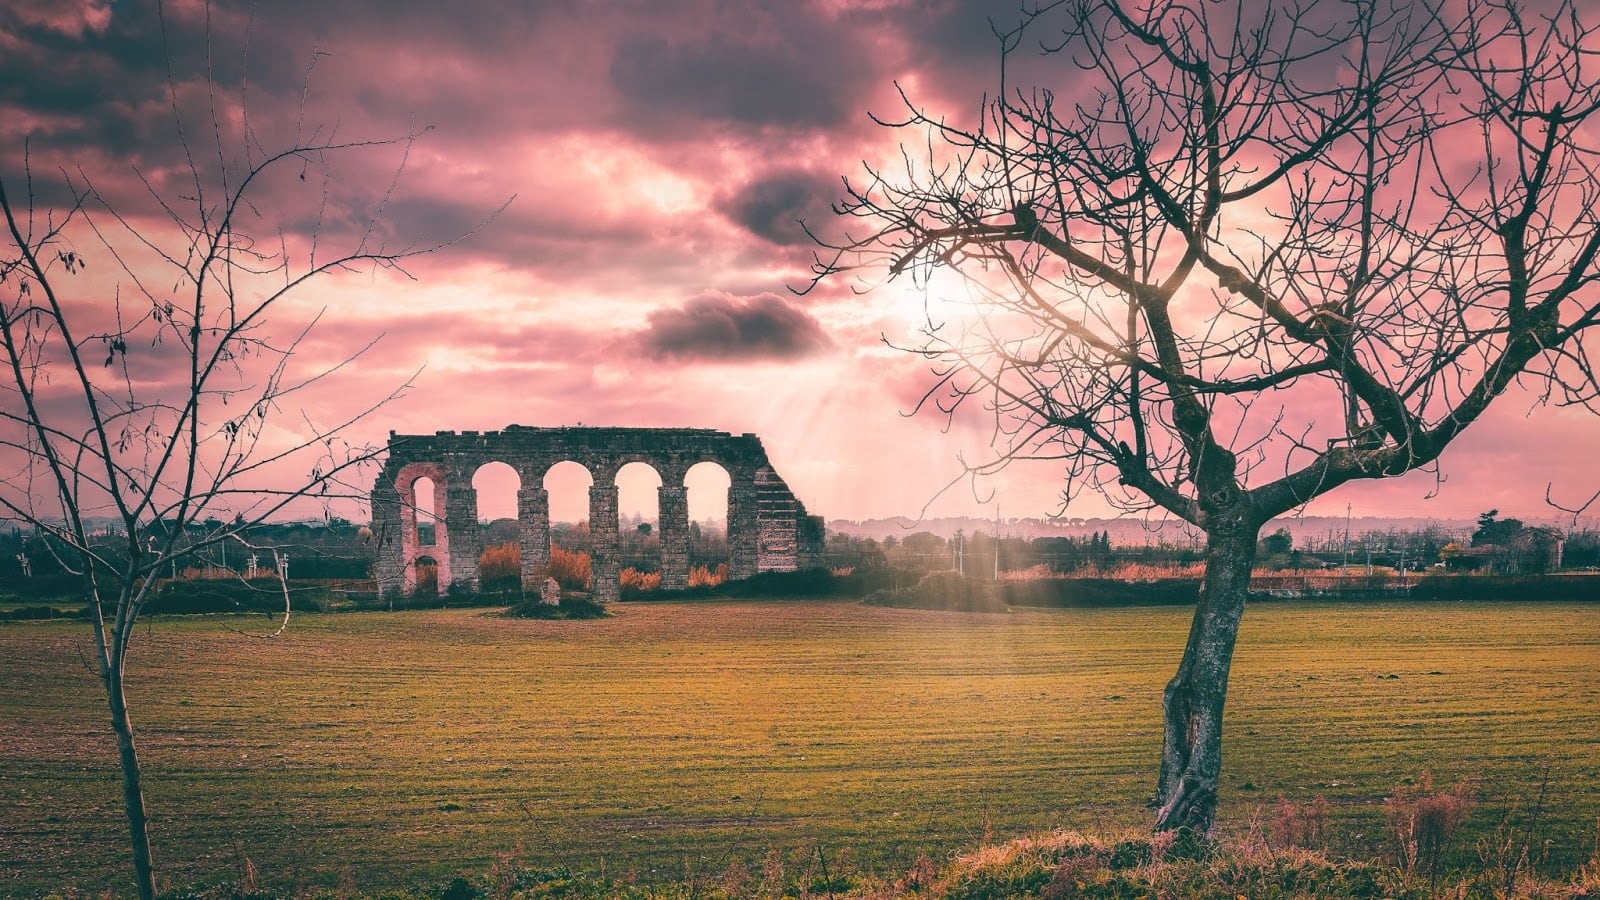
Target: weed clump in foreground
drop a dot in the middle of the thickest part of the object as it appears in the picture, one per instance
(1055, 866)
(1424, 820)
(1052, 866)
(1068, 864)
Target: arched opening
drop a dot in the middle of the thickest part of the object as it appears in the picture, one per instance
(638, 517)
(500, 565)
(567, 484)
(425, 575)
(707, 484)
(421, 500)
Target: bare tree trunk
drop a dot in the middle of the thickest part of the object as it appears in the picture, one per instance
(132, 782)
(1191, 753)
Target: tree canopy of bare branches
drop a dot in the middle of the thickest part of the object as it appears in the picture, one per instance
(148, 409)
(1219, 258)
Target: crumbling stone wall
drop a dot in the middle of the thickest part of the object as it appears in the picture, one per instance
(769, 529)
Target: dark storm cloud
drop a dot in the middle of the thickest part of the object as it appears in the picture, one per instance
(775, 65)
(96, 103)
(718, 327)
(961, 37)
(495, 78)
(117, 70)
(85, 85)
(720, 78)
(774, 206)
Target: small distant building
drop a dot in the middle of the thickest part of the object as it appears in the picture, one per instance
(1531, 550)
(1537, 549)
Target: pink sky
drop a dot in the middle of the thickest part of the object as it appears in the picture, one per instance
(660, 155)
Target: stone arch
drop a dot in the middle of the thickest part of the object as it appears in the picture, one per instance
(639, 484)
(497, 483)
(569, 482)
(421, 487)
(572, 483)
(638, 481)
(707, 484)
(497, 487)
(425, 500)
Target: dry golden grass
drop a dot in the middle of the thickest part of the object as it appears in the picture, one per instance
(680, 738)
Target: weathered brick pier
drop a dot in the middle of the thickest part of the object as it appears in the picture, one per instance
(768, 528)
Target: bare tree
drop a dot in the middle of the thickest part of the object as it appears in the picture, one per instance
(153, 413)
(1247, 253)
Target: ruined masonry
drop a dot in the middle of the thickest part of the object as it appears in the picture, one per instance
(768, 528)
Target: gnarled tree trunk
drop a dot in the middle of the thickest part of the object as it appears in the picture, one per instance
(1191, 752)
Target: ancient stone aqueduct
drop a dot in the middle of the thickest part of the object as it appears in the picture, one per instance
(768, 528)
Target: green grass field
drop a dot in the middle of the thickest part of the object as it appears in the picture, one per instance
(388, 749)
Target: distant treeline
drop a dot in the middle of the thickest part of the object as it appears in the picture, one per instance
(975, 554)
(331, 549)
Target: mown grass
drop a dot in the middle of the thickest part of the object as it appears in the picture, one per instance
(674, 739)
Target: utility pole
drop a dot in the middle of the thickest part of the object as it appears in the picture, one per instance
(997, 542)
(1346, 562)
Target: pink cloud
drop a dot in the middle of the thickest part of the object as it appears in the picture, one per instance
(660, 160)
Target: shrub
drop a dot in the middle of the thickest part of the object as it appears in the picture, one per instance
(1142, 571)
(427, 579)
(700, 576)
(1423, 820)
(1128, 854)
(1071, 593)
(217, 596)
(1031, 573)
(1490, 588)
(1300, 824)
(23, 613)
(569, 608)
(500, 567)
(38, 587)
(208, 573)
(714, 583)
(316, 565)
(636, 583)
(1518, 847)
(570, 568)
(948, 591)
(1187, 844)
